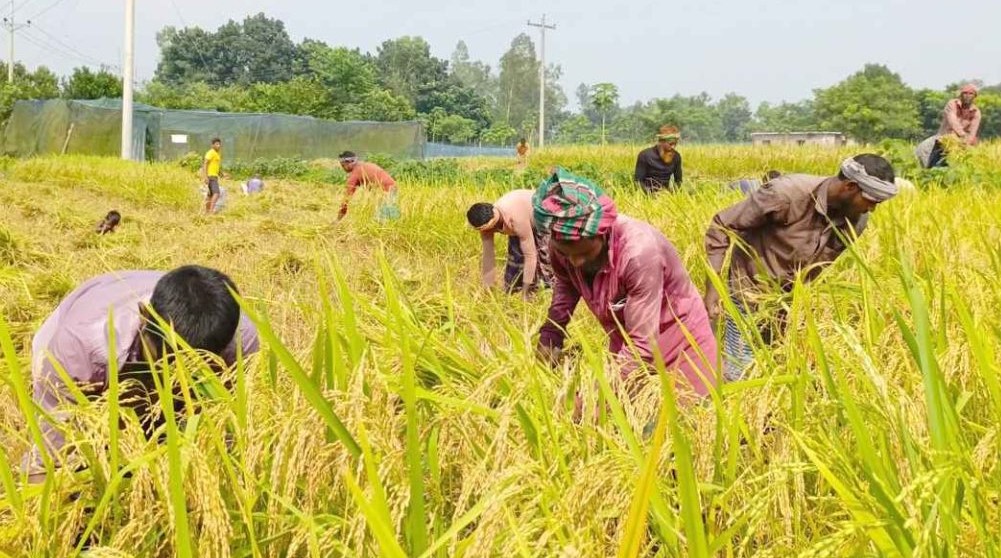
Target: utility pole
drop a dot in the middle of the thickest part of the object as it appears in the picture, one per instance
(8, 23)
(128, 75)
(542, 76)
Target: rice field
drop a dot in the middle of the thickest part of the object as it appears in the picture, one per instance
(397, 408)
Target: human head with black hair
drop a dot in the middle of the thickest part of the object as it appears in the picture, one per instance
(110, 221)
(864, 181)
(216, 144)
(348, 160)
(197, 303)
(483, 217)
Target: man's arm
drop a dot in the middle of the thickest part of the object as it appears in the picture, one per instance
(351, 186)
(971, 137)
(488, 262)
(565, 299)
(677, 170)
(952, 117)
(761, 207)
(204, 172)
(641, 173)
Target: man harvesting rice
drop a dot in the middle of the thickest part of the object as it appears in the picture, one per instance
(527, 247)
(631, 278)
(794, 223)
(195, 301)
(362, 173)
(656, 165)
(961, 120)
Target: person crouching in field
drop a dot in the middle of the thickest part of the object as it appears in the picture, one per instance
(211, 167)
(527, 246)
(656, 165)
(362, 173)
(109, 223)
(195, 300)
(960, 120)
(631, 278)
(795, 223)
(748, 185)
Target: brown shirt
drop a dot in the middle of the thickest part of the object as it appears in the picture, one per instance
(960, 120)
(785, 228)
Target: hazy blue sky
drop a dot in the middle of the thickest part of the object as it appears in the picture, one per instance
(765, 50)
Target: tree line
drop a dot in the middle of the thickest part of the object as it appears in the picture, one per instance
(255, 66)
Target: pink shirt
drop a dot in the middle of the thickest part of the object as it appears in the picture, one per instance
(516, 215)
(646, 289)
(963, 122)
(76, 336)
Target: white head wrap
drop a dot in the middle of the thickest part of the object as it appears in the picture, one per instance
(873, 189)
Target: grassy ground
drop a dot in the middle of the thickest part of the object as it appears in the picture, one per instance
(398, 409)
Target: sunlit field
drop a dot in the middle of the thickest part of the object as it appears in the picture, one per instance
(397, 408)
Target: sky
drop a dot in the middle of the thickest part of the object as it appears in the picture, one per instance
(765, 50)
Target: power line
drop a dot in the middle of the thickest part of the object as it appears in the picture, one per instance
(73, 50)
(47, 8)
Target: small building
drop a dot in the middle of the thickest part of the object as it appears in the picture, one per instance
(829, 139)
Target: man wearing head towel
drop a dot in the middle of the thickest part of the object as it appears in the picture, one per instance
(631, 278)
(794, 223)
(363, 173)
(960, 119)
(657, 165)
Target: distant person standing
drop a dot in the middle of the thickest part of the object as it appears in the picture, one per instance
(657, 165)
(211, 165)
(522, 150)
(362, 173)
(960, 119)
(748, 185)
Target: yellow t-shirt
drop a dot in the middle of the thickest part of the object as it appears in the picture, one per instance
(213, 161)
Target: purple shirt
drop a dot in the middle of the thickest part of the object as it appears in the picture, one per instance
(75, 335)
(645, 288)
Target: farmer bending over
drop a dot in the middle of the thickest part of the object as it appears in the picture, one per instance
(631, 278)
(195, 300)
(795, 223)
(527, 246)
(361, 173)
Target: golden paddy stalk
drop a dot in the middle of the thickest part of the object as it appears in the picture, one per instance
(398, 408)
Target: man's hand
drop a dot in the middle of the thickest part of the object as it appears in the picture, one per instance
(549, 356)
(713, 306)
(343, 211)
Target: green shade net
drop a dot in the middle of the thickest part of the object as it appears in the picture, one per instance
(94, 128)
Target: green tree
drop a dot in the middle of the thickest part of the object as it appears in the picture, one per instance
(405, 65)
(86, 84)
(473, 74)
(785, 117)
(604, 97)
(256, 50)
(577, 129)
(40, 84)
(695, 116)
(518, 87)
(869, 106)
(735, 116)
(498, 134)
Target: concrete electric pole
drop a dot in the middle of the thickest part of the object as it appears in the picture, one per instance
(542, 76)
